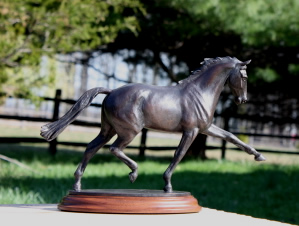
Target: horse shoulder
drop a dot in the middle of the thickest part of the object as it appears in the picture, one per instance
(195, 112)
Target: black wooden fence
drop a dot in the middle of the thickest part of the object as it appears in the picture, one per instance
(142, 147)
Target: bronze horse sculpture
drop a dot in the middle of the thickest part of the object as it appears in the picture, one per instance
(187, 108)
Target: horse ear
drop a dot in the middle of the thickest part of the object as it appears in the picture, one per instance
(245, 63)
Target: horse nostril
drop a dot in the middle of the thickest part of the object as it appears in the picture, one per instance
(241, 100)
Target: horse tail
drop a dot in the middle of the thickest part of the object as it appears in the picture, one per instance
(51, 130)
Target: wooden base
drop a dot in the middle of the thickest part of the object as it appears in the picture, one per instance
(129, 201)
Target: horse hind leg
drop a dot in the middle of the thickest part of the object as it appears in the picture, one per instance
(90, 151)
(117, 150)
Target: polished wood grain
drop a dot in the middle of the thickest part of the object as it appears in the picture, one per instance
(129, 203)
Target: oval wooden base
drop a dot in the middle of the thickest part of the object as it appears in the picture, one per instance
(129, 202)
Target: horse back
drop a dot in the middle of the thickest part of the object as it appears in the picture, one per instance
(141, 105)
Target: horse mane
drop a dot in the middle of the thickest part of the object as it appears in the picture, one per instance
(207, 63)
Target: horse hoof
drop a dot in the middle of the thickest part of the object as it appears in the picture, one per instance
(77, 187)
(260, 158)
(133, 176)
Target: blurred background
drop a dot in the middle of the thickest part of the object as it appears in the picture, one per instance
(72, 46)
(51, 51)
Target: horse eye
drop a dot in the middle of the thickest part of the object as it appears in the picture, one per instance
(243, 75)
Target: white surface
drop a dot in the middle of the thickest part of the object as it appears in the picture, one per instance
(49, 215)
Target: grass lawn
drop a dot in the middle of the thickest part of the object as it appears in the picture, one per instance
(241, 185)
(257, 189)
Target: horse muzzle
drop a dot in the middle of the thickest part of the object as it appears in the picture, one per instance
(240, 100)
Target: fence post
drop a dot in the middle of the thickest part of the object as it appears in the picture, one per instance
(53, 143)
(142, 146)
(226, 127)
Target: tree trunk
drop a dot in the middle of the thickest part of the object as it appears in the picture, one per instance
(198, 147)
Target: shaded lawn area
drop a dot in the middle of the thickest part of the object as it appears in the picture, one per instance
(256, 189)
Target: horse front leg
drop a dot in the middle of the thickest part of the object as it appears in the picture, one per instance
(187, 139)
(220, 133)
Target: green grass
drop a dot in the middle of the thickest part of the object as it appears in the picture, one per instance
(260, 190)
(241, 185)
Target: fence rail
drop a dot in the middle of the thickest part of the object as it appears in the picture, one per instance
(142, 147)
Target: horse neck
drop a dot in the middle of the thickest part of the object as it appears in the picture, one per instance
(212, 81)
(208, 86)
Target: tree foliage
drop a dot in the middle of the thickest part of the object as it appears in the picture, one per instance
(187, 31)
(257, 22)
(192, 30)
(30, 29)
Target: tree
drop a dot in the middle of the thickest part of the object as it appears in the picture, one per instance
(184, 31)
(189, 31)
(30, 29)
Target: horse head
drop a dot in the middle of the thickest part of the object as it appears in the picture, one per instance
(237, 82)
